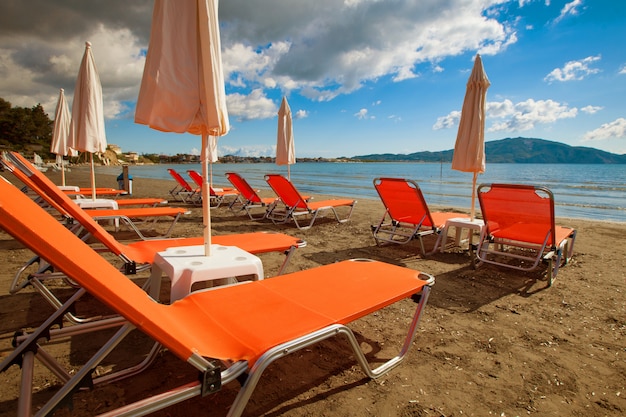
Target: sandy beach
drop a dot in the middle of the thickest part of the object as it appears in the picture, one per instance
(492, 341)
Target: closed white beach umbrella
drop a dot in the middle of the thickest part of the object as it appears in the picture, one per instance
(469, 149)
(285, 147)
(61, 133)
(87, 128)
(182, 89)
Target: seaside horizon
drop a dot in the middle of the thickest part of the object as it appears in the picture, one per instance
(592, 192)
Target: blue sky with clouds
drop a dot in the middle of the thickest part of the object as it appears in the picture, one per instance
(361, 76)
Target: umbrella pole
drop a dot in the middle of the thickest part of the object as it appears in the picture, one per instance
(473, 210)
(206, 206)
(289, 172)
(62, 172)
(93, 178)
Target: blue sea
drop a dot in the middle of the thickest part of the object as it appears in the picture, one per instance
(595, 192)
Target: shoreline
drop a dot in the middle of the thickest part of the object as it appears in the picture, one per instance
(111, 181)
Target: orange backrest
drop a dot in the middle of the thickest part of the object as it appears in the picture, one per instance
(180, 180)
(404, 201)
(243, 187)
(287, 192)
(43, 186)
(526, 211)
(25, 179)
(197, 178)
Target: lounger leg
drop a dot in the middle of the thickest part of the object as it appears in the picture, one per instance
(288, 254)
(24, 404)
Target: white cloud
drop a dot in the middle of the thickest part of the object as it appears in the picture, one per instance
(570, 9)
(447, 122)
(613, 130)
(250, 151)
(527, 114)
(363, 115)
(510, 117)
(622, 70)
(574, 70)
(304, 46)
(321, 49)
(255, 105)
(44, 65)
(591, 109)
(301, 114)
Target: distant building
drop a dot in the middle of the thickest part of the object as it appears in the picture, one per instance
(132, 157)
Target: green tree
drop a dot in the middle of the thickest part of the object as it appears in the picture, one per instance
(21, 127)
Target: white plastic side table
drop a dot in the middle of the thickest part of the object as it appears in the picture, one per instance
(187, 265)
(99, 203)
(460, 223)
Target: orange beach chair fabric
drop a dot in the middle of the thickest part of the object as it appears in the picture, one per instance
(217, 195)
(249, 198)
(520, 229)
(274, 317)
(183, 191)
(294, 206)
(407, 215)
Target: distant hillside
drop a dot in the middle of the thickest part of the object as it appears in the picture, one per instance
(514, 150)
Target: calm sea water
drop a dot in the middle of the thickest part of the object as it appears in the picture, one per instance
(595, 192)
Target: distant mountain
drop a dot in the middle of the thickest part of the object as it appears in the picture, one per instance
(514, 150)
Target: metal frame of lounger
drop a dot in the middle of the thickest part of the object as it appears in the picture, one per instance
(249, 199)
(306, 307)
(293, 205)
(217, 196)
(520, 229)
(407, 215)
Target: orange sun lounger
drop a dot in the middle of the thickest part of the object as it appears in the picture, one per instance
(225, 332)
(25, 172)
(293, 205)
(249, 198)
(139, 255)
(85, 193)
(520, 229)
(217, 195)
(407, 215)
(183, 191)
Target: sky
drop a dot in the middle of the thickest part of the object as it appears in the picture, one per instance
(360, 76)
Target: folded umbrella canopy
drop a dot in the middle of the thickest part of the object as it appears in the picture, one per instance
(285, 147)
(182, 89)
(61, 133)
(469, 149)
(87, 128)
